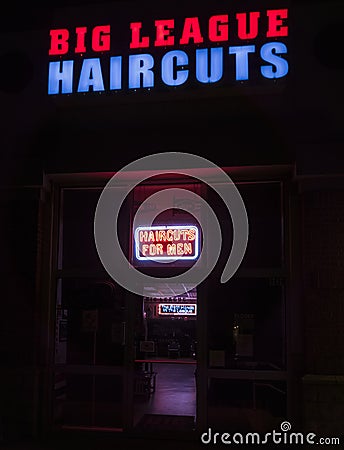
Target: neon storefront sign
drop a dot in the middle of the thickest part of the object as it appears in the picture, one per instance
(177, 309)
(231, 48)
(166, 243)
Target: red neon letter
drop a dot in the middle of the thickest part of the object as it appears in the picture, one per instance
(275, 27)
(218, 28)
(163, 32)
(101, 38)
(80, 39)
(59, 42)
(135, 36)
(242, 25)
(191, 30)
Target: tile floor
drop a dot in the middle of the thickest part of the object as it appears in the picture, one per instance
(175, 392)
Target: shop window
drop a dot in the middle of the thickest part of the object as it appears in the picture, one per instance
(88, 399)
(77, 246)
(246, 322)
(89, 323)
(264, 210)
(88, 344)
(246, 317)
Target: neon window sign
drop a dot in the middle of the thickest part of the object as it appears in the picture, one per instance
(178, 309)
(167, 243)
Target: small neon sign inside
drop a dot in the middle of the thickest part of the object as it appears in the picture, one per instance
(167, 242)
(177, 309)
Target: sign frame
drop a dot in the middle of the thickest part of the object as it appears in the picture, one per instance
(167, 258)
(194, 305)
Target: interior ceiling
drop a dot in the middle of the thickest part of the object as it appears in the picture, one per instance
(168, 290)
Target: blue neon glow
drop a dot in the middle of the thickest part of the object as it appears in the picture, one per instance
(60, 73)
(140, 73)
(241, 66)
(216, 65)
(169, 63)
(166, 258)
(270, 53)
(116, 72)
(91, 75)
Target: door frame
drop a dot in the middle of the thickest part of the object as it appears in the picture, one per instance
(48, 273)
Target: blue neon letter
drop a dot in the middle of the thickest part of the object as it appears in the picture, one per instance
(169, 73)
(269, 53)
(241, 53)
(139, 69)
(216, 65)
(116, 72)
(91, 75)
(65, 75)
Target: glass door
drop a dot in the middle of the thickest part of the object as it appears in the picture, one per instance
(165, 332)
(91, 324)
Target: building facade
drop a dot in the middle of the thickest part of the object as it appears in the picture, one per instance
(254, 91)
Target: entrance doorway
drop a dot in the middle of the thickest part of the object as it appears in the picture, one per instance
(119, 356)
(116, 355)
(165, 359)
